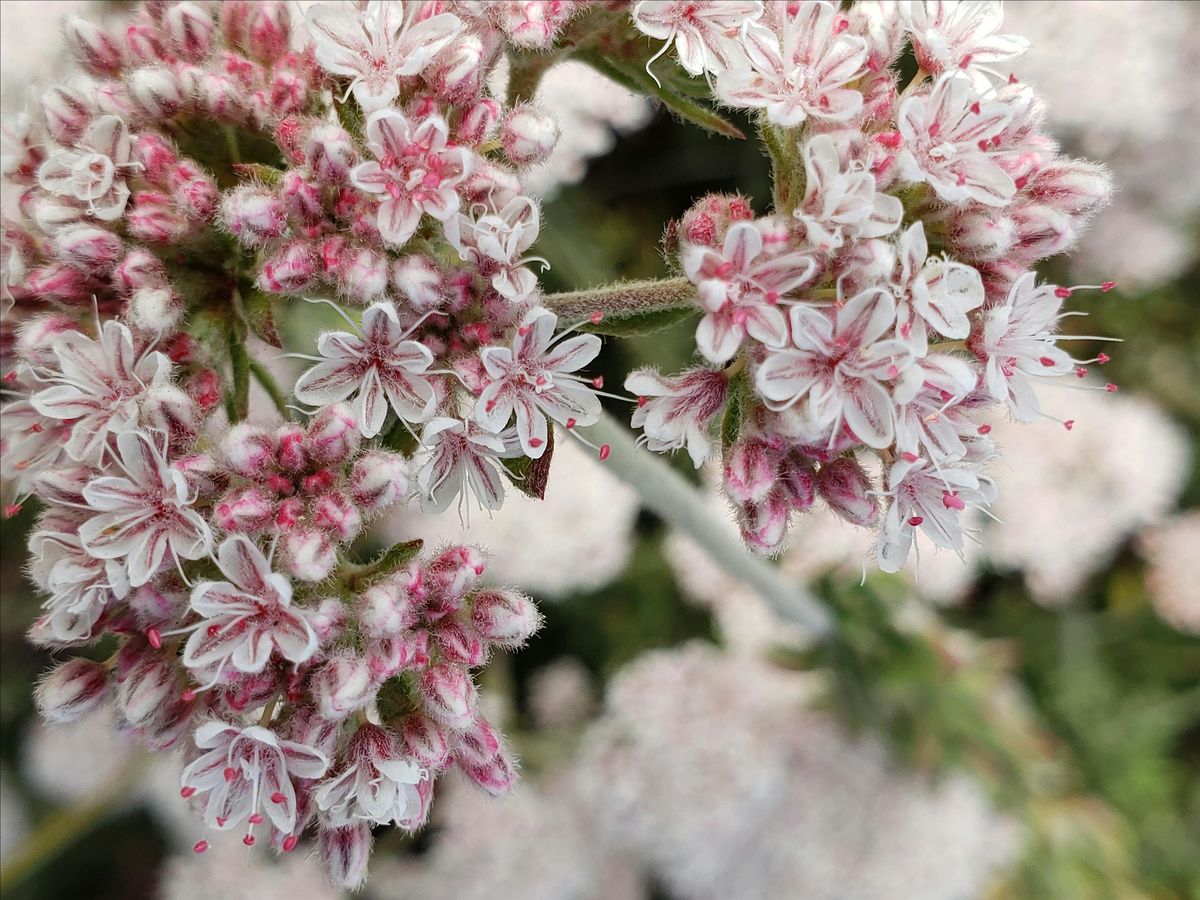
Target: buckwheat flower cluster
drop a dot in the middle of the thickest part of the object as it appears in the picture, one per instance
(204, 170)
(887, 305)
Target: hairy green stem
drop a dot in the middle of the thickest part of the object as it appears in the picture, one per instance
(625, 299)
(787, 168)
(268, 383)
(664, 491)
(238, 401)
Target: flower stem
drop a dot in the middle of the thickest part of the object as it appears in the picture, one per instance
(665, 493)
(268, 383)
(624, 299)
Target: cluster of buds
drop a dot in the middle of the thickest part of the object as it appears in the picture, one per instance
(886, 305)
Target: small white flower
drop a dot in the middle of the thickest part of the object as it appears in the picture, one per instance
(950, 36)
(377, 784)
(704, 33)
(79, 584)
(678, 412)
(840, 200)
(93, 172)
(460, 456)
(495, 242)
(933, 292)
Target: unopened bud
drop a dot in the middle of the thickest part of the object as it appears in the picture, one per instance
(797, 481)
(498, 776)
(142, 42)
(846, 488)
(66, 112)
(269, 30)
(170, 410)
(751, 470)
(1073, 186)
(477, 744)
(982, 233)
(330, 153)
(36, 337)
(456, 73)
(419, 281)
(290, 269)
(311, 555)
(189, 29)
(155, 310)
(333, 434)
(87, 248)
(363, 275)
(248, 449)
(155, 91)
(479, 122)
(140, 268)
(528, 135)
(345, 853)
(335, 512)
(94, 47)
(205, 388)
(505, 617)
(425, 741)
(154, 219)
(455, 572)
(533, 26)
(1042, 231)
(460, 643)
(143, 692)
(71, 690)
(378, 480)
(449, 695)
(292, 453)
(342, 685)
(253, 215)
(302, 198)
(247, 510)
(764, 525)
(385, 610)
(52, 213)
(195, 192)
(156, 156)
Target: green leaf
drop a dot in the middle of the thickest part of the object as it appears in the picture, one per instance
(357, 577)
(530, 476)
(735, 409)
(629, 75)
(618, 325)
(260, 316)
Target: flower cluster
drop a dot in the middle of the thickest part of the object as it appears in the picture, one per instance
(887, 303)
(204, 167)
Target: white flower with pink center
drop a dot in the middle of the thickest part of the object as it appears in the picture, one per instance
(30, 442)
(145, 517)
(740, 287)
(496, 242)
(249, 617)
(246, 772)
(414, 171)
(377, 784)
(959, 35)
(837, 364)
(377, 43)
(947, 137)
(534, 379)
(460, 457)
(79, 584)
(840, 200)
(934, 292)
(928, 418)
(932, 499)
(379, 365)
(98, 387)
(678, 412)
(93, 171)
(703, 32)
(1017, 345)
(798, 61)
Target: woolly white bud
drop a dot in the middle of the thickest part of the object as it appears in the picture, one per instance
(528, 135)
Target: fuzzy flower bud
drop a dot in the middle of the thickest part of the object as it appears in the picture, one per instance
(330, 153)
(139, 269)
(751, 468)
(155, 310)
(460, 643)
(67, 113)
(982, 233)
(505, 617)
(155, 91)
(189, 29)
(144, 690)
(479, 122)
(35, 340)
(248, 449)
(449, 695)
(97, 50)
(457, 73)
(333, 434)
(253, 215)
(378, 480)
(290, 269)
(764, 525)
(497, 776)
(247, 511)
(88, 249)
(335, 513)
(533, 24)
(385, 610)
(425, 741)
(169, 409)
(846, 488)
(363, 275)
(71, 690)
(456, 571)
(1072, 186)
(154, 219)
(710, 217)
(528, 135)
(310, 554)
(419, 281)
(343, 685)
(345, 853)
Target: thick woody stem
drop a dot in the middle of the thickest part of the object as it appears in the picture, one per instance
(665, 492)
(625, 299)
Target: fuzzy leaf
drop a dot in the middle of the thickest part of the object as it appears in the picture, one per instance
(629, 75)
(260, 316)
(394, 557)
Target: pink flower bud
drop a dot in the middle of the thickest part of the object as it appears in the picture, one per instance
(155, 91)
(156, 156)
(333, 434)
(420, 818)
(479, 122)
(345, 853)
(981, 232)
(253, 215)
(528, 135)
(307, 726)
(479, 744)
(154, 219)
(152, 606)
(55, 213)
(751, 470)
(140, 268)
(59, 282)
(205, 388)
(385, 610)
(449, 695)
(419, 281)
(533, 24)
(378, 480)
(453, 573)
(797, 481)
(269, 31)
(1042, 231)
(498, 776)
(66, 112)
(846, 488)
(143, 693)
(408, 651)
(142, 42)
(247, 510)
(303, 199)
(328, 620)
(456, 73)
(94, 47)
(1073, 186)
(155, 310)
(342, 685)
(170, 410)
(310, 554)
(189, 29)
(290, 269)
(765, 524)
(194, 191)
(424, 740)
(460, 643)
(291, 454)
(287, 94)
(173, 724)
(71, 690)
(330, 153)
(87, 248)
(36, 337)
(63, 485)
(505, 617)
(248, 449)
(363, 275)
(335, 512)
